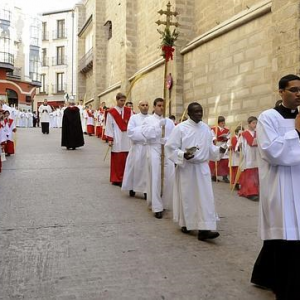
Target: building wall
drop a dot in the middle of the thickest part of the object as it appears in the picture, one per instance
(209, 13)
(229, 55)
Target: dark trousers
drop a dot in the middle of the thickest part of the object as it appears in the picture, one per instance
(45, 127)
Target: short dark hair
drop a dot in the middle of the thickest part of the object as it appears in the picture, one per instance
(283, 82)
(128, 103)
(237, 130)
(191, 105)
(172, 117)
(158, 100)
(251, 119)
(221, 119)
(120, 96)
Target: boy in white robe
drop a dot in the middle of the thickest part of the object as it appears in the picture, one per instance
(135, 174)
(278, 136)
(249, 186)
(190, 147)
(152, 131)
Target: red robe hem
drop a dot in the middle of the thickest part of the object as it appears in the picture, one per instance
(249, 183)
(222, 167)
(117, 166)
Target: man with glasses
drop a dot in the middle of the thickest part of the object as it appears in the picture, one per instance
(278, 136)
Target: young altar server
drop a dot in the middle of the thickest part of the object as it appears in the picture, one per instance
(116, 131)
(221, 135)
(90, 121)
(234, 156)
(152, 131)
(135, 174)
(8, 129)
(249, 186)
(278, 136)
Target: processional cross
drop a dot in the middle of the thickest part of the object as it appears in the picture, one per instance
(167, 47)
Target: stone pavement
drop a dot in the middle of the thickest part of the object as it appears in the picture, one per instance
(67, 234)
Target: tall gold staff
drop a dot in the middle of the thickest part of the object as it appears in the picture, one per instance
(167, 47)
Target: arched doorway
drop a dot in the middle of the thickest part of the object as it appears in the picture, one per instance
(12, 97)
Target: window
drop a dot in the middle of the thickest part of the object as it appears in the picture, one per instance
(59, 82)
(44, 57)
(60, 55)
(44, 31)
(60, 28)
(108, 27)
(43, 83)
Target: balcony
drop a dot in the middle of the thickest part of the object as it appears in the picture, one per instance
(34, 41)
(59, 89)
(5, 15)
(45, 62)
(36, 78)
(59, 60)
(86, 62)
(59, 34)
(7, 61)
(16, 73)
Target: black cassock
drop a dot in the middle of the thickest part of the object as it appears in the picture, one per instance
(72, 135)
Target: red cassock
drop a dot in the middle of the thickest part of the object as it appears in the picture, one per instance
(222, 165)
(118, 159)
(117, 166)
(9, 147)
(249, 183)
(99, 131)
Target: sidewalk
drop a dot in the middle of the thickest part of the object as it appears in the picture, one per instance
(67, 234)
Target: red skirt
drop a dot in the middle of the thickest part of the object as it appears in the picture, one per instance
(99, 131)
(222, 167)
(9, 147)
(249, 183)
(117, 166)
(90, 129)
(233, 175)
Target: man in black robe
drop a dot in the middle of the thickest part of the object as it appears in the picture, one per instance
(72, 135)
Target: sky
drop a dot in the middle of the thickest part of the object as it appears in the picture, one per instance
(40, 6)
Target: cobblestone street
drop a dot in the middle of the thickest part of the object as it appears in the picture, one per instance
(67, 234)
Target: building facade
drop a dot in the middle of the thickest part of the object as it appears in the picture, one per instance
(58, 58)
(229, 55)
(19, 56)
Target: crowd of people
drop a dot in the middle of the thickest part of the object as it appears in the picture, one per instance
(172, 166)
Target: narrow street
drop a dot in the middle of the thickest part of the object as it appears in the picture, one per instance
(67, 234)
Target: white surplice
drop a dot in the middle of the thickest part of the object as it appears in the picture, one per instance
(249, 154)
(279, 176)
(193, 199)
(44, 111)
(151, 130)
(135, 174)
(121, 141)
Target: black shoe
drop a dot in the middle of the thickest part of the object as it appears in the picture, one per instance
(184, 230)
(131, 193)
(207, 234)
(225, 179)
(145, 196)
(253, 198)
(73, 148)
(158, 215)
(117, 183)
(213, 178)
